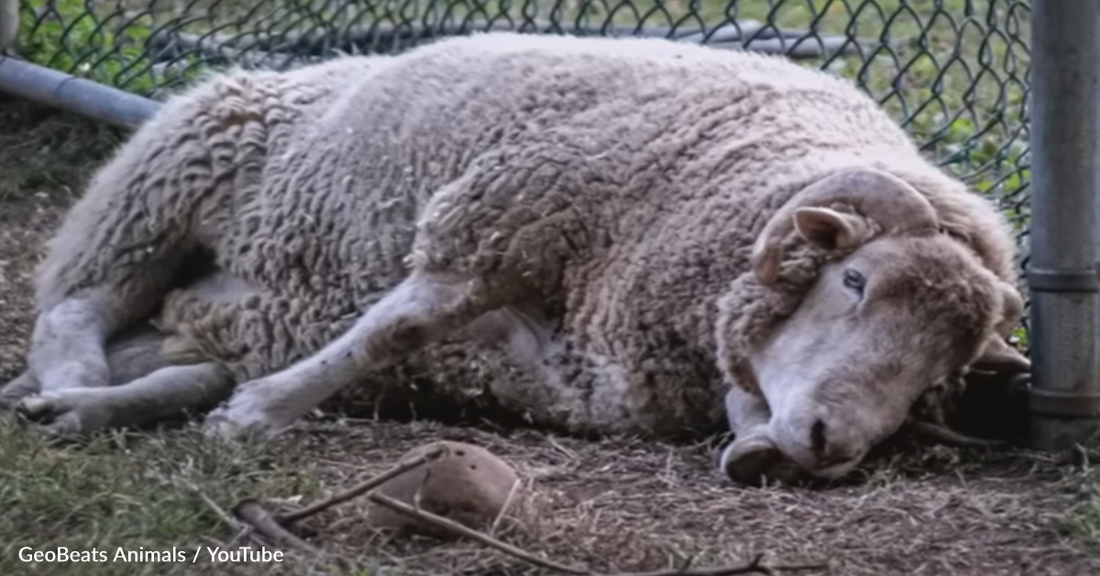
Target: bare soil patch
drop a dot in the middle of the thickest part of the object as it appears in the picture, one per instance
(633, 506)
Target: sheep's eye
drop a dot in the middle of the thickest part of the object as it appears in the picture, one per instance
(854, 280)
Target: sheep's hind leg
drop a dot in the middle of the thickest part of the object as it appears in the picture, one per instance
(165, 393)
(67, 350)
(11, 393)
(418, 311)
(752, 457)
(67, 346)
(146, 384)
(133, 353)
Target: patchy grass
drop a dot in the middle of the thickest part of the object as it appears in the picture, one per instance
(131, 493)
(43, 151)
(1084, 517)
(616, 505)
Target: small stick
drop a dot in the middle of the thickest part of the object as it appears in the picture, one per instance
(754, 566)
(365, 486)
(273, 527)
(229, 521)
(503, 509)
(455, 527)
(261, 522)
(947, 436)
(252, 512)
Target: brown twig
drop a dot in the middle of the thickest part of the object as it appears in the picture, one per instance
(447, 524)
(685, 569)
(504, 509)
(367, 485)
(945, 435)
(755, 565)
(228, 520)
(461, 530)
(273, 527)
(254, 514)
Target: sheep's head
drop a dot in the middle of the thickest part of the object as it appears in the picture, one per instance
(899, 307)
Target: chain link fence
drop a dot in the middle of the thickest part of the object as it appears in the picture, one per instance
(953, 72)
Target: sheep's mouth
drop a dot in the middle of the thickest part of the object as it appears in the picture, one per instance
(835, 468)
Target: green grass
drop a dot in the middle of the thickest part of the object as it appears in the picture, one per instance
(133, 492)
(1084, 519)
(43, 151)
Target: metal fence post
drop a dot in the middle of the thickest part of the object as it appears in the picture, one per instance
(1063, 279)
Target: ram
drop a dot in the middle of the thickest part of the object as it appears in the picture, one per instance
(605, 235)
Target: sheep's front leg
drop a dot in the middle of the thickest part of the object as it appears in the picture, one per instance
(168, 392)
(752, 457)
(419, 310)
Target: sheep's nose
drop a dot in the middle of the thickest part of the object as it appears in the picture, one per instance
(827, 454)
(817, 437)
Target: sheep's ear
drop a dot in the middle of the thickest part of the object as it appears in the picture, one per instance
(830, 229)
(997, 354)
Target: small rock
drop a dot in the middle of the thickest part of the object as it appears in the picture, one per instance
(467, 484)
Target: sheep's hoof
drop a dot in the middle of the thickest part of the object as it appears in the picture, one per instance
(224, 424)
(753, 459)
(15, 391)
(60, 415)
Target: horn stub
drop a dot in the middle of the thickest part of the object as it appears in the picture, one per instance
(888, 200)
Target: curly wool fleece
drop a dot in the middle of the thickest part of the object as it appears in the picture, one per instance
(621, 182)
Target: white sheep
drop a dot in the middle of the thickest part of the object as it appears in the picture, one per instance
(606, 235)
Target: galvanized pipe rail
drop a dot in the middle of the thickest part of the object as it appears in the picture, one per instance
(65, 91)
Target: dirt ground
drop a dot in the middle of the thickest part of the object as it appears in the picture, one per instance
(625, 505)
